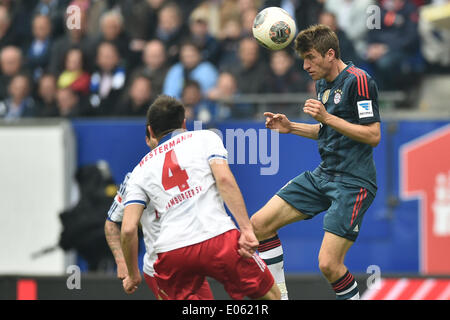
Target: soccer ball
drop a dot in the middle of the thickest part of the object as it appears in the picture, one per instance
(274, 28)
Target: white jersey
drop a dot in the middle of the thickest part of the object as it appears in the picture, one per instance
(176, 179)
(149, 222)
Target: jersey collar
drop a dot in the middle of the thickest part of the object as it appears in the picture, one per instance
(170, 135)
(342, 74)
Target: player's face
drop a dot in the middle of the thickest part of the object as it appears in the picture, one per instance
(317, 66)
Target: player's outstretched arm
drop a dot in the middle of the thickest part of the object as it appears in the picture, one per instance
(112, 234)
(281, 123)
(231, 194)
(129, 241)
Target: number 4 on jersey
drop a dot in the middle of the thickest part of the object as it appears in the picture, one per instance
(172, 174)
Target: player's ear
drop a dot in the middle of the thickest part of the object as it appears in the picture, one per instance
(331, 55)
(152, 134)
(184, 124)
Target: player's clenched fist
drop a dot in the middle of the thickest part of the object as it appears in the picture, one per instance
(316, 109)
(277, 122)
(248, 243)
(131, 284)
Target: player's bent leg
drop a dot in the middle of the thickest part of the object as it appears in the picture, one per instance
(274, 215)
(331, 264)
(273, 294)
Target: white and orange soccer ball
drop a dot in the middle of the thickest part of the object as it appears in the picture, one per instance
(274, 28)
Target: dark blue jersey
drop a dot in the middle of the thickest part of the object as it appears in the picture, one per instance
(352, 96)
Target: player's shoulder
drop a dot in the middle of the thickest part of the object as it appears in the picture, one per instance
(206, 134)
(355, 74)
(360, 81)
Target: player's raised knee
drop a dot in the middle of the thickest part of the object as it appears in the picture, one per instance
(259, 227)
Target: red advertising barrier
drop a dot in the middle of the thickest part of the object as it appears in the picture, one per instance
(425, 175)
(409, 289)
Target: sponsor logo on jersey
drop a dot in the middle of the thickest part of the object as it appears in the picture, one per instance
(365, 109)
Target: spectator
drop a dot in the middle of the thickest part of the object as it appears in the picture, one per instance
(74, 37)
(68, 103)
(38, 52)
(199, 30)
(46, 96)
(137, 99)
(435, 42)
(11, 63)
(7, 35)
(351, 18)
(55, 11)
(74, 76)
(197, 108)
(155, 65)
(229, 44)
(171, 30)
(141, 20)
(346, 47)
(247, 19)
(284, 77)
(19, 103)
(223, 95)
(107, 82)
(192, 67)
(96, 9)
(397, 41)
(112, 30)
(251, 70)
(305, 12)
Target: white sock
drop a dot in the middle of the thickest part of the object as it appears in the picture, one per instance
(271, 251)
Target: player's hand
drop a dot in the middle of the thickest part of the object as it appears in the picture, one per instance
(131, 284)
(248, 243)
(316, 109)
(277, 122)
(122, 270)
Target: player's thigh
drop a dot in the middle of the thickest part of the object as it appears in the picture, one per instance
(348, 207)
(177, 276)
(275, 214)
(204, 292)
(241, 277)
(153, 285)
(299, 199)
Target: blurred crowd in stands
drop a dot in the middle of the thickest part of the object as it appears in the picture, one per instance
(124, 53)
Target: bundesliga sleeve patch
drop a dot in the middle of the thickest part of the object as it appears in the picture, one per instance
(365, 109)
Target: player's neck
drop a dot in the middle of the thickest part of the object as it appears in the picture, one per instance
(337, 68)
(169, 134)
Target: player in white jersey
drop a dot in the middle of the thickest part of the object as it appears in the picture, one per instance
(150, 228)
(187, 179)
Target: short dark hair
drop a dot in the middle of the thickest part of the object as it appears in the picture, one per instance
(319, 37)
(165, 115)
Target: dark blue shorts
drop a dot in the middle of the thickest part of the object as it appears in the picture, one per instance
(345, 203)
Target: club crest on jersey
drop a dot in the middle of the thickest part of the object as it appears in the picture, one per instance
(325, 96)
(337, 96)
